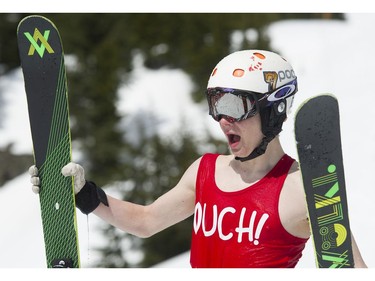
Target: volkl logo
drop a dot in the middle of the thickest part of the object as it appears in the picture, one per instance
(44, 45)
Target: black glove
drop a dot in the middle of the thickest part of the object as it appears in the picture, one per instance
(89, 198)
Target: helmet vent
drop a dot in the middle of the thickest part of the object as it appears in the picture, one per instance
(259, 56)
(238, 72)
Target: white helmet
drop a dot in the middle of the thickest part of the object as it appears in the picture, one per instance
(264, 76)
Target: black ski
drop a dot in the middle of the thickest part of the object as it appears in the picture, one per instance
(317, 132)
(42, 61)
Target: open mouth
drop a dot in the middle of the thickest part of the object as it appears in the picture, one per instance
(233, 139)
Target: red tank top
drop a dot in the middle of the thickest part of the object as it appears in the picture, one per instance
(241, 229)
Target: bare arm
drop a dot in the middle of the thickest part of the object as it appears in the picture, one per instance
(358, 261)
(144, 221)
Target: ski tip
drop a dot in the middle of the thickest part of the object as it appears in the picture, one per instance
(30, 17)
(325, 96)
(320, 96)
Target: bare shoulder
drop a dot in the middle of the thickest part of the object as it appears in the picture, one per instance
(294, 176)
(293, 185)
(292, 204)
(189, 177)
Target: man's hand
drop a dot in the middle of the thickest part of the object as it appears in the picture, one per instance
(87, 195)
(71, 169)
(77, 171)
(34, 179)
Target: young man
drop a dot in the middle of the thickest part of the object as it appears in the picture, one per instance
(249, 207)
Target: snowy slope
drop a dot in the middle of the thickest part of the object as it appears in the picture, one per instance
(334, 57)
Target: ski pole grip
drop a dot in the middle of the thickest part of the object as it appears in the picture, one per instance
(90, 197)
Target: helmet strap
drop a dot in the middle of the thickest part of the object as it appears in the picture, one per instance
(272, 121)
(259, 150)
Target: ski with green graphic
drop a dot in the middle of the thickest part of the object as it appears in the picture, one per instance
(42, 62)
(318, 138)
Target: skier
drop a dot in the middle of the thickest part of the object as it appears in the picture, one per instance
(249, 207)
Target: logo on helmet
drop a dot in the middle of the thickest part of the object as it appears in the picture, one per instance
(286, 74)
(282, 92)
(271, 78)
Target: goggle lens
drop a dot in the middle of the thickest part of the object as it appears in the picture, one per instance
(231, 105)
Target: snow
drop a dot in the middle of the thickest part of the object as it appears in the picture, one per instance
(328, 57)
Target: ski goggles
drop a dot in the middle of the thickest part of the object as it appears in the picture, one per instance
(230, 104)
(236, 105)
